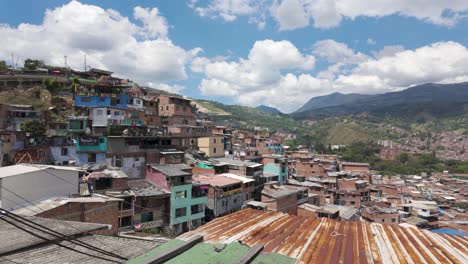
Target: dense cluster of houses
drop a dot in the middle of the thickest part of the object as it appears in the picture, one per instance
(140, 160)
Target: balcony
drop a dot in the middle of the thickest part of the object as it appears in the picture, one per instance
(197, 216)
(151, 224)
(199, 200)
(77, 123)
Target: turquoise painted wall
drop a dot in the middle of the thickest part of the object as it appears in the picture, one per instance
(101, 145)
(186, 202)
(271, 167)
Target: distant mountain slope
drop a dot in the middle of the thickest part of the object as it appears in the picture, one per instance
(428, 100)
(333, 99)
(246, 117)
(268, 109)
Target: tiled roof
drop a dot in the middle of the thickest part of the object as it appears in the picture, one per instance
(322, 240)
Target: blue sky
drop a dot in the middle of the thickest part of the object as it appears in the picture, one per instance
(250, 52)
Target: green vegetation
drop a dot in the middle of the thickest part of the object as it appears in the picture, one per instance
(3, 65)
(462, 205)
(37, 97)
(405, 164)
(52, 86)
(248, 117)
(34, 129)
(31, 65)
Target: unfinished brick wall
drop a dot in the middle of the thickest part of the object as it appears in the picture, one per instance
(100, 212)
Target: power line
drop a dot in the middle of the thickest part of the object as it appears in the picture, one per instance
(55, 242)
(49, 231)
(73, 184)
(62, 221)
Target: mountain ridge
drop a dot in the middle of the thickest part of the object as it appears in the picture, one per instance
(268, 109)
(429, 97)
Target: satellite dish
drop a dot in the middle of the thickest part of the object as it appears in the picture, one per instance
(31, 140)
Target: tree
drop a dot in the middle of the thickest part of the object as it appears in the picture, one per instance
(3, 65)
(52, 86)
(32, 65)
(34, 129)
(74, 84)
(404, 157)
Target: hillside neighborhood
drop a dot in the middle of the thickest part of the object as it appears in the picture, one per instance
(129, 163)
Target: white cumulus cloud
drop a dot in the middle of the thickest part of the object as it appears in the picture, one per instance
(293, 14)
(285, 82)
(141, 50)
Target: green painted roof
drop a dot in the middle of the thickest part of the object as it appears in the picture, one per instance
(212, 254)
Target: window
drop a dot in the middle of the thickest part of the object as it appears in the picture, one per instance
(103, 184)
(101, 140)
(353, 202)
(115, 101)
(393, 220)
(64, 152)
(162, 108)
(383, 220)
(138, 102)
(179, 212)
(125, 221)
(91, 157)
(167, 108)
(117, 161)
(109, 112)
(214, 140)
(180, 195)
(235, 200)
(214, 150)
(197, 208)
(116, 113)
(99, 112)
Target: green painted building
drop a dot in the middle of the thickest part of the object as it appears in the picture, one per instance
(187, 201)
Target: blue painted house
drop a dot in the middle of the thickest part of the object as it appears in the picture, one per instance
(102, 100)
(90, 150)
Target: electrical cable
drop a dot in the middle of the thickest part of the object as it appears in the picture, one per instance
(49, 231)
(62, 221)
(55, 242)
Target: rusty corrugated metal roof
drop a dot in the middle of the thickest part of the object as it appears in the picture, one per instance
(322, 240)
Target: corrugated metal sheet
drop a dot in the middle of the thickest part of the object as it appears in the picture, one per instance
(321, 240)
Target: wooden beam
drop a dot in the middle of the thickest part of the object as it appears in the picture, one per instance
(251, 255)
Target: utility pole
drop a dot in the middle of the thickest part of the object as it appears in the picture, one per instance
(85, 62)
(65, 57)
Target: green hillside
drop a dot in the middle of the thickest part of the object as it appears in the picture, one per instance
(248, 117)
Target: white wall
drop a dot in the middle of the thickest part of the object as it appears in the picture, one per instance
(36, 186)
(136, 103)
(56, 153)
(132, 167)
